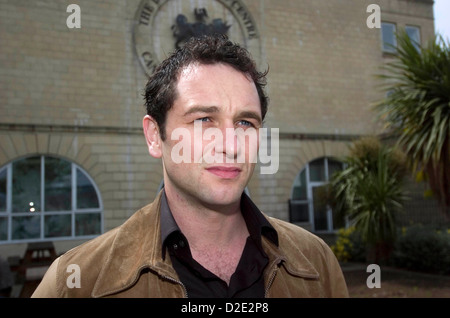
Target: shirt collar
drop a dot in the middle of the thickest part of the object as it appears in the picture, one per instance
(257, 224)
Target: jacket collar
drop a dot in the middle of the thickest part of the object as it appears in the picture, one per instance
(288, 253)
(137, 245)
(256, 222)
(132, 250)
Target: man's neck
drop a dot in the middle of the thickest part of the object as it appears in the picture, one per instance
(203, 225)
(216, 237)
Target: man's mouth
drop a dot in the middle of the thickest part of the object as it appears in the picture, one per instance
(224, 172)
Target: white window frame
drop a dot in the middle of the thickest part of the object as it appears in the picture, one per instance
(73, 212)
(416, 44)
(389, 50)
(309, 193)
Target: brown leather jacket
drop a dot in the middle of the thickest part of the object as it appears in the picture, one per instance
(127, 262)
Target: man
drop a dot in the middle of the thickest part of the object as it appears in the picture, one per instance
(202, 236)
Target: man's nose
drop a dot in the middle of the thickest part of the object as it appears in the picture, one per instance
(230, 145)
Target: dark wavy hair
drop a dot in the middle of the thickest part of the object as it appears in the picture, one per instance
(160, 91)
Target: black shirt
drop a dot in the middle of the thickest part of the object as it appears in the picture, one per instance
(248, 279)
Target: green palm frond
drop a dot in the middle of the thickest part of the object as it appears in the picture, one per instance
(417, 107)
(369, 191)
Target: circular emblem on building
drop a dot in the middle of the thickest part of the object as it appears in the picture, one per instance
(161, 26)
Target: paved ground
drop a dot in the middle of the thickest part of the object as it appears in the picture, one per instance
(395, 283)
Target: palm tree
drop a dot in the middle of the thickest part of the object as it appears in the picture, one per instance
(417, 109)
(368, 193)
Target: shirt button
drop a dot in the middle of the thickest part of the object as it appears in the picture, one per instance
(175, 246)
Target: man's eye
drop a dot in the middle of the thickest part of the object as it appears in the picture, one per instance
(203, 119)
(245, 123)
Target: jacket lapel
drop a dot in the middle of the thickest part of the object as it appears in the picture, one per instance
(288, 254)
(137, 246)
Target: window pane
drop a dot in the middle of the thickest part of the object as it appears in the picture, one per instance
(25, 227)
(58, 184)
(3, 190)
(333, 167)
(58, 225)
(299, 212)
(300, 189)
(388, 37)
(317, 170)
(86, 194)
(3, 229)
(87, 224)
(26, 192)
(414, 34)
(320, 209)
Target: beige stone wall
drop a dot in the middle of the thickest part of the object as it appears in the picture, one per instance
(54, 75)
(322, 59)
(272, 192)
(118, 163)
(77, 93)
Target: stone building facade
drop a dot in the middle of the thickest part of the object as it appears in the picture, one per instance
(75, 94)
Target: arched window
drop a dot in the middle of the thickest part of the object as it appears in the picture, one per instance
(46, 198)
(308, 203)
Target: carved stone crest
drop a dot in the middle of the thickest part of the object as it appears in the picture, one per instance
(162, 25)
(183, 30)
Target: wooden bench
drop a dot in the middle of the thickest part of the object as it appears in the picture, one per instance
(40, 254)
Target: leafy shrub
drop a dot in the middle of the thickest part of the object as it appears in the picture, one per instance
(349, 245)
(369, 192)
(423, 248)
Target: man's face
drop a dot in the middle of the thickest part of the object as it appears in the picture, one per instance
(215, 170)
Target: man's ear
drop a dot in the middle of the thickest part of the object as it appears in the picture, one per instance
(152, 136)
